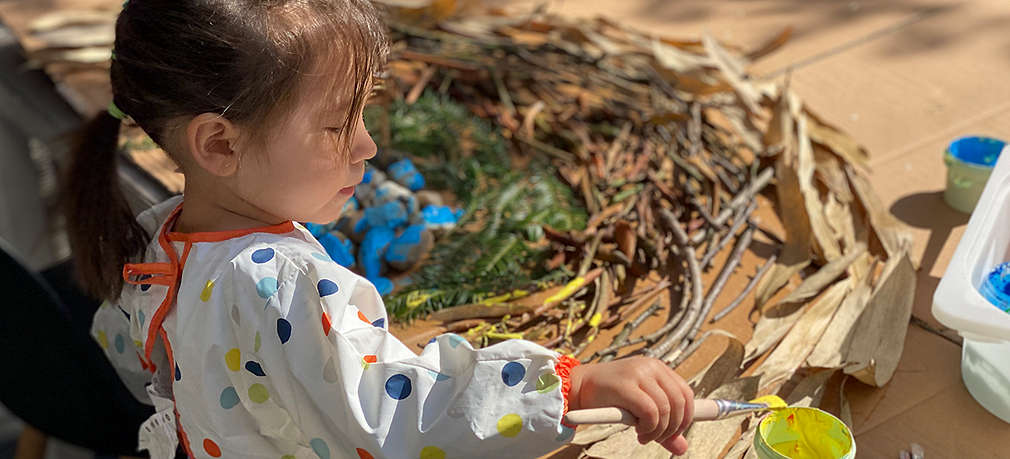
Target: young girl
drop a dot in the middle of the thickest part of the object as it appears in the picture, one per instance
(253, 342)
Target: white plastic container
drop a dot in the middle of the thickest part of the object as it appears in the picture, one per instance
(957, 303)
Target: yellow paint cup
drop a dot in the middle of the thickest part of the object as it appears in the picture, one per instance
(803, 433)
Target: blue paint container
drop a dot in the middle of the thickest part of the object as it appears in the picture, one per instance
(970, 161)
(996, 287)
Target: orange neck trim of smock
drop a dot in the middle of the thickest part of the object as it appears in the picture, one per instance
(170, 273)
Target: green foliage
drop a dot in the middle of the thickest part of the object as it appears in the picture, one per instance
(494, 249)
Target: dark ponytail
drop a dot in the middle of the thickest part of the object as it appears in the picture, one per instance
(104, 233)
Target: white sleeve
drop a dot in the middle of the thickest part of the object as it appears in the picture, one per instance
(111, 329)
(333, 374)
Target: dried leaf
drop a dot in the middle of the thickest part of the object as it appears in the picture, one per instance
(810, 390)
(814, 284)
(745, 444)
(879, 335)
(833, 347)
(894, 236)
(791, 209)
(800, 341)
(625, 444)
(709, 439)
(830, 173)
(841, 144)
(722, 369)
(593, 433)
(771, 45)
(732, 70)
(823, 237)
(677, 60)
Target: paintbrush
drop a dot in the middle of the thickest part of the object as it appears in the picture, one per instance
(704, 410)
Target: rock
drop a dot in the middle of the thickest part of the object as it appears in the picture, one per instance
(410, 247)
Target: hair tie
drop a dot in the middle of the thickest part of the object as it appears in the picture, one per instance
(115, 111)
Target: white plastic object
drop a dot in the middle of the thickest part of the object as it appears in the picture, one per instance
(957, 303)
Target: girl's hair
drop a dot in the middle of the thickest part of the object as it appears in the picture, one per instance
(172, 59)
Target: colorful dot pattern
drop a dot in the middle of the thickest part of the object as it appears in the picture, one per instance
(253, 386)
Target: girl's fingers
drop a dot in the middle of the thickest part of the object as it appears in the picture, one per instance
(662, 408)
(678, 404)
(676, 445)
(688, 406)
(641, 404)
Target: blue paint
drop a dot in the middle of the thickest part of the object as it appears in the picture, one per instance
(380, 322)
(400, 248)
(382, 285)
(144, 287)
(342, 252)
(438, 376)
(373, 247)
(367, 178)
(441, 216)
(283, 330)
(977, 151)
(178, 373)
(254, 368)
(266, 287)
(263, 255)
(398, 387)
(320, 448)
(229, 398)
(327, 287)
(404, 173)
(513, 373)
(392, 214)
(996, 287)
(455, 340)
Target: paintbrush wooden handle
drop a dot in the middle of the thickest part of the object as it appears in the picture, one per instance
(704, 410)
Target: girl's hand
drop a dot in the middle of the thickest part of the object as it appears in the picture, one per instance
(660, 399)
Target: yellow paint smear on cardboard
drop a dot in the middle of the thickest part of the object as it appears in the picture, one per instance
(806, 433)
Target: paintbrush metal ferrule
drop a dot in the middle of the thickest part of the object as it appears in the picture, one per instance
(733, 407)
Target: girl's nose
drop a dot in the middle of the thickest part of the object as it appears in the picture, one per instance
(363, 147)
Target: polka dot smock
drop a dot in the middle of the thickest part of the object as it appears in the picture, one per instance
(271, 350)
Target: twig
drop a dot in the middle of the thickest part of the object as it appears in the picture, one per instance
(742, 199)
(738, 222)
(692, 312)
(750, 286)
(622, 336)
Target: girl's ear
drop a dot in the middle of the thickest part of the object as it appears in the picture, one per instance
(212, 139)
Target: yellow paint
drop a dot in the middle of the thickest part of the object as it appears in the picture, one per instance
(806, 433)
(567, 290)
(415, 299)
(773, 401)
(595, 320)
(233, 359)
(432, 452)
(207, 291)
(494, 335)
(510, 425)
(103, 340)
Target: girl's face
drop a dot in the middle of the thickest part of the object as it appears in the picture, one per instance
(305, 171)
